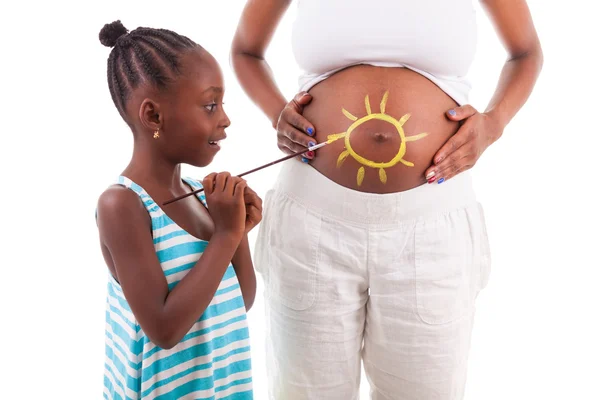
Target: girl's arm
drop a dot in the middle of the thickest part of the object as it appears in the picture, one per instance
(242, 261)
(126, 236)
(244, 269)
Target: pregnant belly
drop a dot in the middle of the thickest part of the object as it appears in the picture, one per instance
(386, 125)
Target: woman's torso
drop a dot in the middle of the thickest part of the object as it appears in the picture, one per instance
(392, 150)
(212, 360)
(416, 52)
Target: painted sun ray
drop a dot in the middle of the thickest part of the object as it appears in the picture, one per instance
(415, 137)
(335, 136)
(407, 163)
(342, 157)
(384, 102)
(382, 175)
(349, 115)
(404, 118)
(367, 105)
(360, 175)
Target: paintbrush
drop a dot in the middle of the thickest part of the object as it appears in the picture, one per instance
(312, 148)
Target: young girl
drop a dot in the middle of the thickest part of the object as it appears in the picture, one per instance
(181, 278)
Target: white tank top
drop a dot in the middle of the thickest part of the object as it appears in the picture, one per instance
(436, 38)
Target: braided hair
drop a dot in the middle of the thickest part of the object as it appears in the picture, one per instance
(144, 55)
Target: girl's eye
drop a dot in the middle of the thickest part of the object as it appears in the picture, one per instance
(211, 107)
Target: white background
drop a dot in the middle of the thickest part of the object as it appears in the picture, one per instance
(62, 143)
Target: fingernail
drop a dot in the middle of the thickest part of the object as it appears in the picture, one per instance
(310, 154)
(310, 131)
(304, 160)
(452, 112)
(311, 144)
(430, 175)
(438, 160)
(431, 180)
(441, 180)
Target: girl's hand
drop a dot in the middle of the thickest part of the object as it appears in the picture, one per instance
(293, 130)
(463, 149)
(253, 209)
(225, 200)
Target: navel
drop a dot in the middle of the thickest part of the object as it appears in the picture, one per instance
(381, 137)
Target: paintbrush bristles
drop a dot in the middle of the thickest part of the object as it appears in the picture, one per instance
(318, 146)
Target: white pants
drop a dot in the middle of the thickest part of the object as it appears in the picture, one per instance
(389, 279)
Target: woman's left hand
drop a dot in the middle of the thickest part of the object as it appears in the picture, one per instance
(463, 149)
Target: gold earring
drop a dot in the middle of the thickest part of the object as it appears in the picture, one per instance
(156, 134)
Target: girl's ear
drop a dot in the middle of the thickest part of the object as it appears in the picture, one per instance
(150, 115)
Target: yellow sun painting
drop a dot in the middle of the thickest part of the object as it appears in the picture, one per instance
(349, 151)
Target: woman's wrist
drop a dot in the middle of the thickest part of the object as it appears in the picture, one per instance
(499, 120)
(274, 117)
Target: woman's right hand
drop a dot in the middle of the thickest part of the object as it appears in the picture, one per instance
(226, 205)
(293, 130)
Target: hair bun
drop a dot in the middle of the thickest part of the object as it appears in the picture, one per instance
(111, 32)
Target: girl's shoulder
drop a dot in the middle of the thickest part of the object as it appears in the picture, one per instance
(196, 185)
(119, 202)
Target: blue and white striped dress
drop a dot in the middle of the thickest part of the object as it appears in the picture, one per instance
(213, 359)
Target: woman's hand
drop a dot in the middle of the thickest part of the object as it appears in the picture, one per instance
(463, 149)
(293, 130)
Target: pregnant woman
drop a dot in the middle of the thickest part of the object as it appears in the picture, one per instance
(374, 248)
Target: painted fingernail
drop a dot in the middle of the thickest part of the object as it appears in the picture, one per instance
(441, 180)
(430, 175)
(304, 160)
(310, 131)
(311, 143)
(452, 112)
(310, 154)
